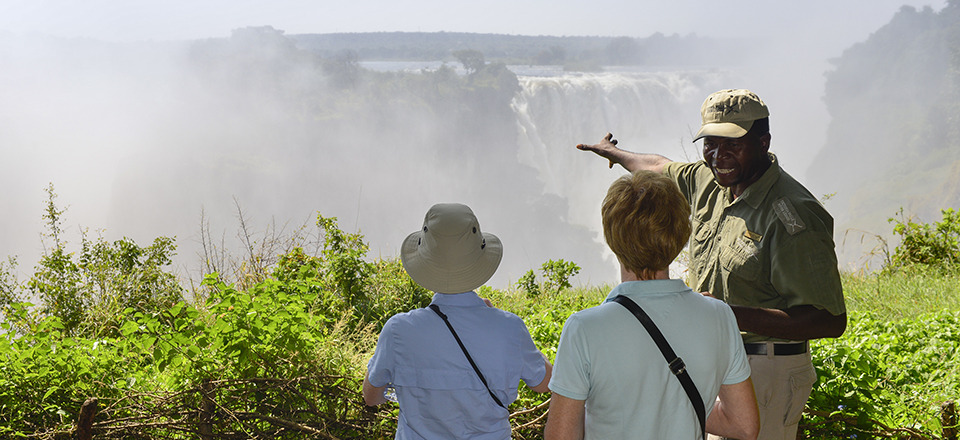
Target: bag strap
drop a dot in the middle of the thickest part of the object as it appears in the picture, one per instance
(674, 362)
(436, 309)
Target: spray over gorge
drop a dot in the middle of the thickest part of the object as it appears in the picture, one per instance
(144, 140)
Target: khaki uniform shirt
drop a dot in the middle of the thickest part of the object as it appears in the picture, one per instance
(772, 247)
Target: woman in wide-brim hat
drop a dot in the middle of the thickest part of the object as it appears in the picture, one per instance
(454, 371)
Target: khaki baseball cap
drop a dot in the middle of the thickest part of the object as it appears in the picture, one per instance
(730, 113)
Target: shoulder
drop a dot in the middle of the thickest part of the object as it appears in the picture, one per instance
(406, 320)
(686, 169)
(590, 317)
(503, 317)
(708, 307)
(796, 208)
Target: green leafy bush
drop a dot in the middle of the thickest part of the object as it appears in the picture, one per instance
(283, 356)
(927, 246)
(87, 291)
(528, 283)
(557, 276)
(884, 376)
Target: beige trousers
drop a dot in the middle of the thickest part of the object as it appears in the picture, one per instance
(782, 385)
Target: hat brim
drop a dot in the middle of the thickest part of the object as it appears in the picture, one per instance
(724, 129)
(451, 280)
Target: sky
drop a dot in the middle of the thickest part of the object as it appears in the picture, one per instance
(839, 23)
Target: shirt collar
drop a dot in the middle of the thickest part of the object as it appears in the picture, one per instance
(465, 299)
(648, 287)
(757, 192)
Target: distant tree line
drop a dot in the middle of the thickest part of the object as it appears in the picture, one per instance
(657, 49)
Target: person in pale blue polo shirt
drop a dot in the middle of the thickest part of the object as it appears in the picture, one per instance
(441, 395)
(610, 380)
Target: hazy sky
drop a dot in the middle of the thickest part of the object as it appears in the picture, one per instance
(838, 23)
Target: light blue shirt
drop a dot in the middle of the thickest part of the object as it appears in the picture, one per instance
(606, 358)
(440, 395)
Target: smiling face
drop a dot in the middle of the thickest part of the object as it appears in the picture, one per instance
(737, 162)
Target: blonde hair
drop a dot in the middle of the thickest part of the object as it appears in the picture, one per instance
(646, 221)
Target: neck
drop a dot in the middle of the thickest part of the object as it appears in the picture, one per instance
(645, 275)
(738, 189)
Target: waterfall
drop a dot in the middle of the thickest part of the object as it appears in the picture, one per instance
(650, 112)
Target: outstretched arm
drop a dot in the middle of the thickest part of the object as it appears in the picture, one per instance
(607, 148)
(735, 414)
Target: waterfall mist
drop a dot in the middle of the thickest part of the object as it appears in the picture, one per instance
(142, 140)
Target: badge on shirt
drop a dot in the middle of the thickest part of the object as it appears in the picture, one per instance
(788, 215)
(752, 235)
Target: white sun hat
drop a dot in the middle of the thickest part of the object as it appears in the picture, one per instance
(450, 254)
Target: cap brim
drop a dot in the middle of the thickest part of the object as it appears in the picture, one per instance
(451, 280)
(724, 129)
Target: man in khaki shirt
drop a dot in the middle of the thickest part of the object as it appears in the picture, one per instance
(762, 243)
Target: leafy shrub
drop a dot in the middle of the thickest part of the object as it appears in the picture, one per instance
(86, 293)
(528, 284)
(280, 358)
(884, 375)
(557, 274)
(927, 246)
(346, 283)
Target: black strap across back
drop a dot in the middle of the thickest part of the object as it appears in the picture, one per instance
(436, 309)
(676, 364)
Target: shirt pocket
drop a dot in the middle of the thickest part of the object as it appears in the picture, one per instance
(740, 258)
(699, 246)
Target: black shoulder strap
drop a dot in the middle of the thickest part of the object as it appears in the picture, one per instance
(436, 309)
(675, 363)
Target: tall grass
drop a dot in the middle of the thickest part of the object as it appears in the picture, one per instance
(905, 294)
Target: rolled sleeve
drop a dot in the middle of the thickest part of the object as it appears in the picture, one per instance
(533, 370)
(380, 368)
(804, 271)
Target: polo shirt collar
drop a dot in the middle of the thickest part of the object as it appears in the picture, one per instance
(757, 192)
(649, 287)
(465, 299)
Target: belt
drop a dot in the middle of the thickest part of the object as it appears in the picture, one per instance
(779, 348)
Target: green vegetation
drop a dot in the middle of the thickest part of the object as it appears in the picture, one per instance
(885, 378)
(929, 246)
(557, 276)
(281, 353)
(280, 358)
(888, 375)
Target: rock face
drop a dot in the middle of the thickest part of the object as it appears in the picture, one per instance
(892, 139)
